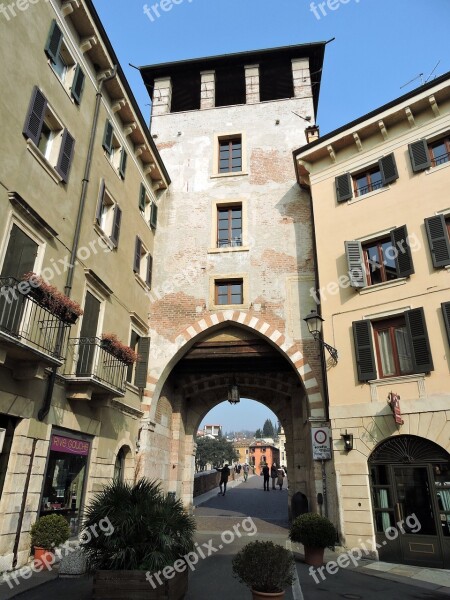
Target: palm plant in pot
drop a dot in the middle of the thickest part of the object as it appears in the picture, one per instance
(315, 533)
(266, 568)
(49, 532)
(148, 532)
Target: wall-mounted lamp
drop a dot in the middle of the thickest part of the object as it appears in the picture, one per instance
(233, 393)
(314, 322)
(348, 441)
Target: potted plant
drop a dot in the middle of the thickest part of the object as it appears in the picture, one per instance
(114, 346)
(49, 297)
(315, 533)
(266, 568)
(149, 532)
(48, 533)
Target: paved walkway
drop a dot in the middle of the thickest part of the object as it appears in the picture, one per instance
(224, 526)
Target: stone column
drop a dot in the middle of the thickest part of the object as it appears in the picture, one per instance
(301, 77)
(162, 96)
(208, 89)
(252, 84)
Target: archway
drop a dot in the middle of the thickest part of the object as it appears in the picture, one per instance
(410, 483)
(198, 379)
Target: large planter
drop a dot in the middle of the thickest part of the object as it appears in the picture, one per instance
(123, 585)
(43, 556)
(262, 595)
(314, 556)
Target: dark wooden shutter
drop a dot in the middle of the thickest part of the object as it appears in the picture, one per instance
(35, 116)
(420, 345)
(403, 256)
(114, 237)
(365, 357)
(446, 314)
(154, 215)
(388, 169)
(142, 198)
(140, 379)
(123, 163)
(98, 215)
(108, 137)
(77, 84)
(419, 155)
(54, 41)
(137, 255)
(436, 228)
(65, 155)
(344, 190)
(148, 278)
(355, 262)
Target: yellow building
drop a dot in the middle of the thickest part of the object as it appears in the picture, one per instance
(79, 189)
(380, 194)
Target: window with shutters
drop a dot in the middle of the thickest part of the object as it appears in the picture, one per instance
(145, 203)
(63, 64)
(48, 140)
(142, 263)
(109, 216)
(380, 259)
(438, 233)
(137, 372)
(392, 347)
(368, 180)
(114, 150)
(440, 151)
(426, 154)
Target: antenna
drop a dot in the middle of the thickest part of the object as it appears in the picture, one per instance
(422, 81)
(419, 75)
(429, 76)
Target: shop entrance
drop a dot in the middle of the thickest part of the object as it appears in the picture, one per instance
(410, 480)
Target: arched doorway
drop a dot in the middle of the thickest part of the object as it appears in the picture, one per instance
(410, 485)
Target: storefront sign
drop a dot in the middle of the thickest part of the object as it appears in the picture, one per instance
(394, 403)
(321, 443)
(69, 445)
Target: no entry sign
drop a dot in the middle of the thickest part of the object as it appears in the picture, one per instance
(321, 443)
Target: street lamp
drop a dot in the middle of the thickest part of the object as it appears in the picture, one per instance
(233, 393)
(314, 322)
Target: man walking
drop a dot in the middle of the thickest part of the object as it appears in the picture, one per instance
(274, 474)
(245, 470)
(225, 473)
(266, 475)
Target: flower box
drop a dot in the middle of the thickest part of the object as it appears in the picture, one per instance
(50, 298)
(114, 346)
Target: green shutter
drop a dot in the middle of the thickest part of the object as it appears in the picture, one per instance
(388, 169)
(142, 194)
(154, 216)
(98, 216)
(420, 344)
(137, 255)
(355, 263)
(65, 155)
(77, 84)
(419, 155)
(436, 228)
(403, 256)
(365, 357)
(344, 190)
(446, 314)
(148, 278)
(35, 116)
(114, 237)
(54, 41)
(108, 137)
(123, 163)
(140, 379)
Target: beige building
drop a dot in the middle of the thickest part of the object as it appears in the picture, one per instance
(380, 193)
(79, 190)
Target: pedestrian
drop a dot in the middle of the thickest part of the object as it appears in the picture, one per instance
(280, 477)
(225, 473)
(245, 470)
(266, 475)
(274, 474)
(239, 468)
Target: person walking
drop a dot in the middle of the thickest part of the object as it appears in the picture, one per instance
(274, 474)
(266, 475)
(245, 470)
(225, 473)
(280, 478)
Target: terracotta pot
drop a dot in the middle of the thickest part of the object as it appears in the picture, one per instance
(314, 556)
(43, 556)
(262, 595)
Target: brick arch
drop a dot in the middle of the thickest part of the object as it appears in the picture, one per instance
(290, 350)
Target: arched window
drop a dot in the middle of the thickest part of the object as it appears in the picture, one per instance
(119, 466)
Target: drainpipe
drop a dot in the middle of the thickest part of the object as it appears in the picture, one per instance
(45, 408)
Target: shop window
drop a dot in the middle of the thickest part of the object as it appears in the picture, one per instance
(64, 483)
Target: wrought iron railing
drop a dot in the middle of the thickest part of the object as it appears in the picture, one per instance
(441, 159)
(87, 357)
(237, 241)
(25, 320)
(371, 187)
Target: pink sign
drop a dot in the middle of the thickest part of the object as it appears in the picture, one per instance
(69, 445)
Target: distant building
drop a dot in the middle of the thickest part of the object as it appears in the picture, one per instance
(263, 451)
(242, 447)
(213, 430)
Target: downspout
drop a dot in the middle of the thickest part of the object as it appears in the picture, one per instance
(44, 410)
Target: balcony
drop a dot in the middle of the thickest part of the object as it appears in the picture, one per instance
(31, 337)
(93, 370)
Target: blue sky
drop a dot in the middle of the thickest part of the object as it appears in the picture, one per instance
(380, 46)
